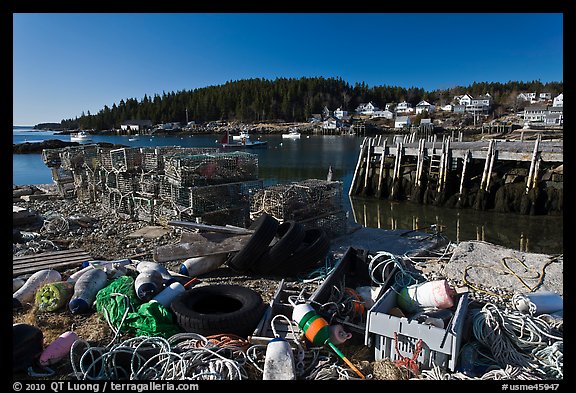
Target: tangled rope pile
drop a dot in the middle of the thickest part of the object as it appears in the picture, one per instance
(520, 340)
(182, 356)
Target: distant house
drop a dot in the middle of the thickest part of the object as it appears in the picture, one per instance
(136, 125)
(385, 114)
(535, 113)
(459, 108)
(341, 114)
(425, 106)
(558, 100)
(554, 119)
(480, 104)
(326, 113)
(331, 123)
(402, 121)
(465, 100)
(447, 108)
(545, 96)
(367, 108)
(404, 107)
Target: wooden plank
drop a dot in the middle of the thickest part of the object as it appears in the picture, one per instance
(58, 260)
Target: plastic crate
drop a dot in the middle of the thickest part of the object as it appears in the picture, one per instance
(394, 337)
(352, 271)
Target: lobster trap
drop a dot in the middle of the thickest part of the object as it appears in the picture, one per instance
(298, 201)
(153, 157)
(209, 169)
(126, 159)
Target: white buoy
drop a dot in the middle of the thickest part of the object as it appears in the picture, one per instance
(200, 265)
(279, 362)
(168, 294)
(85, 290)
(27, 292)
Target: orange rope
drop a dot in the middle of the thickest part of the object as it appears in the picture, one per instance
(228, 341)
(410, 363)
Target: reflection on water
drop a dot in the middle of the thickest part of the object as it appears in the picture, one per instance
(539, 234)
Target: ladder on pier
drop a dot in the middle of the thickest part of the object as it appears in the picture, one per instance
(434, 169)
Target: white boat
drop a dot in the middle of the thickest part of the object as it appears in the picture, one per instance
(244, 143)
(134, 138)
(292, 134)
(81, 136)
(243, 135)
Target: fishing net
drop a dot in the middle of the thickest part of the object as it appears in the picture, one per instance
(121, 307)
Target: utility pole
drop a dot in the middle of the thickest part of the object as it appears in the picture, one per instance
(186, 116)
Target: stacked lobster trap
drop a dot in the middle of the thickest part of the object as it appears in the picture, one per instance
(315, 203)
(157, 184)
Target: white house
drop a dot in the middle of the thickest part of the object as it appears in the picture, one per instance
(385, 114)
(535, 113)
(367, 109)
(331, 123)
(558, 100)
(404, 107)
(465, 99)
(554, 119)
(340, 113)
(480, 104)
(447, 108)
(401, 121)
(425, 106)
(545, 96)
(136, 125)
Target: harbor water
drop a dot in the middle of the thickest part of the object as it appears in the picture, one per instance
(311, 157)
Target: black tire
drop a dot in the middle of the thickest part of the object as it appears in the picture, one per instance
(290, 235)
(218, 309)
(311, 253)
(265, 228)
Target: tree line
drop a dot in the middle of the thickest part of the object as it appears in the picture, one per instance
(286, 99)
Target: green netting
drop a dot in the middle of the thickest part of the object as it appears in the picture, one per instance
(120, 305)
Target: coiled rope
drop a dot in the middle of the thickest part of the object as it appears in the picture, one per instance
(518, 339)
(180, 357)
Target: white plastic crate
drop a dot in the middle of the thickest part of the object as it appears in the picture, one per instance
(394, 337)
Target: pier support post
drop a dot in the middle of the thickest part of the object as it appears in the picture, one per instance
(368, 158)
(358, 166)
(532, 164)
(381, 174)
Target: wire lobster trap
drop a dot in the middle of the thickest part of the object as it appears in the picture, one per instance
(153, 157)
(334, 223)
(148, 185)
(75, 157)
(118, 203)
(126, 159)
(51, 157)
(297, 201)
(208, 169)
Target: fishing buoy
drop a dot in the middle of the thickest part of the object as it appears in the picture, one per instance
(538, 303)
(113, 269)
(338, 335)
(17, 283)
(53, 296)
(279, 361)
(200, 265)
(148, 284)
(317, 330)
(58, 349)
(85, 290)
(168, 294)
(146, 265)
(27, 292)
(436, 293)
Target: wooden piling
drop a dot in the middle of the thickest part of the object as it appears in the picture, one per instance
(492, 157)
(486, 164)
(358, 166)
(532, 164)
(466, 158)
(381, 174)
(368, 158)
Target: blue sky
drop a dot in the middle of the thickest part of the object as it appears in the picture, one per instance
(66, 63)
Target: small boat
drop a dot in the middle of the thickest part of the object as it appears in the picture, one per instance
(243, 143)
(243, 135)
(292, 134)
(81, 136)
(134, 138)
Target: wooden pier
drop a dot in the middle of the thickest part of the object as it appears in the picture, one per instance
(432, 163)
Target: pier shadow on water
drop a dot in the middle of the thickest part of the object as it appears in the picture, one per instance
(528, 233)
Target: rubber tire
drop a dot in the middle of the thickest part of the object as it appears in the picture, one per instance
(218, 309)
(265, 228)
(310, 254)
(290, 235)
